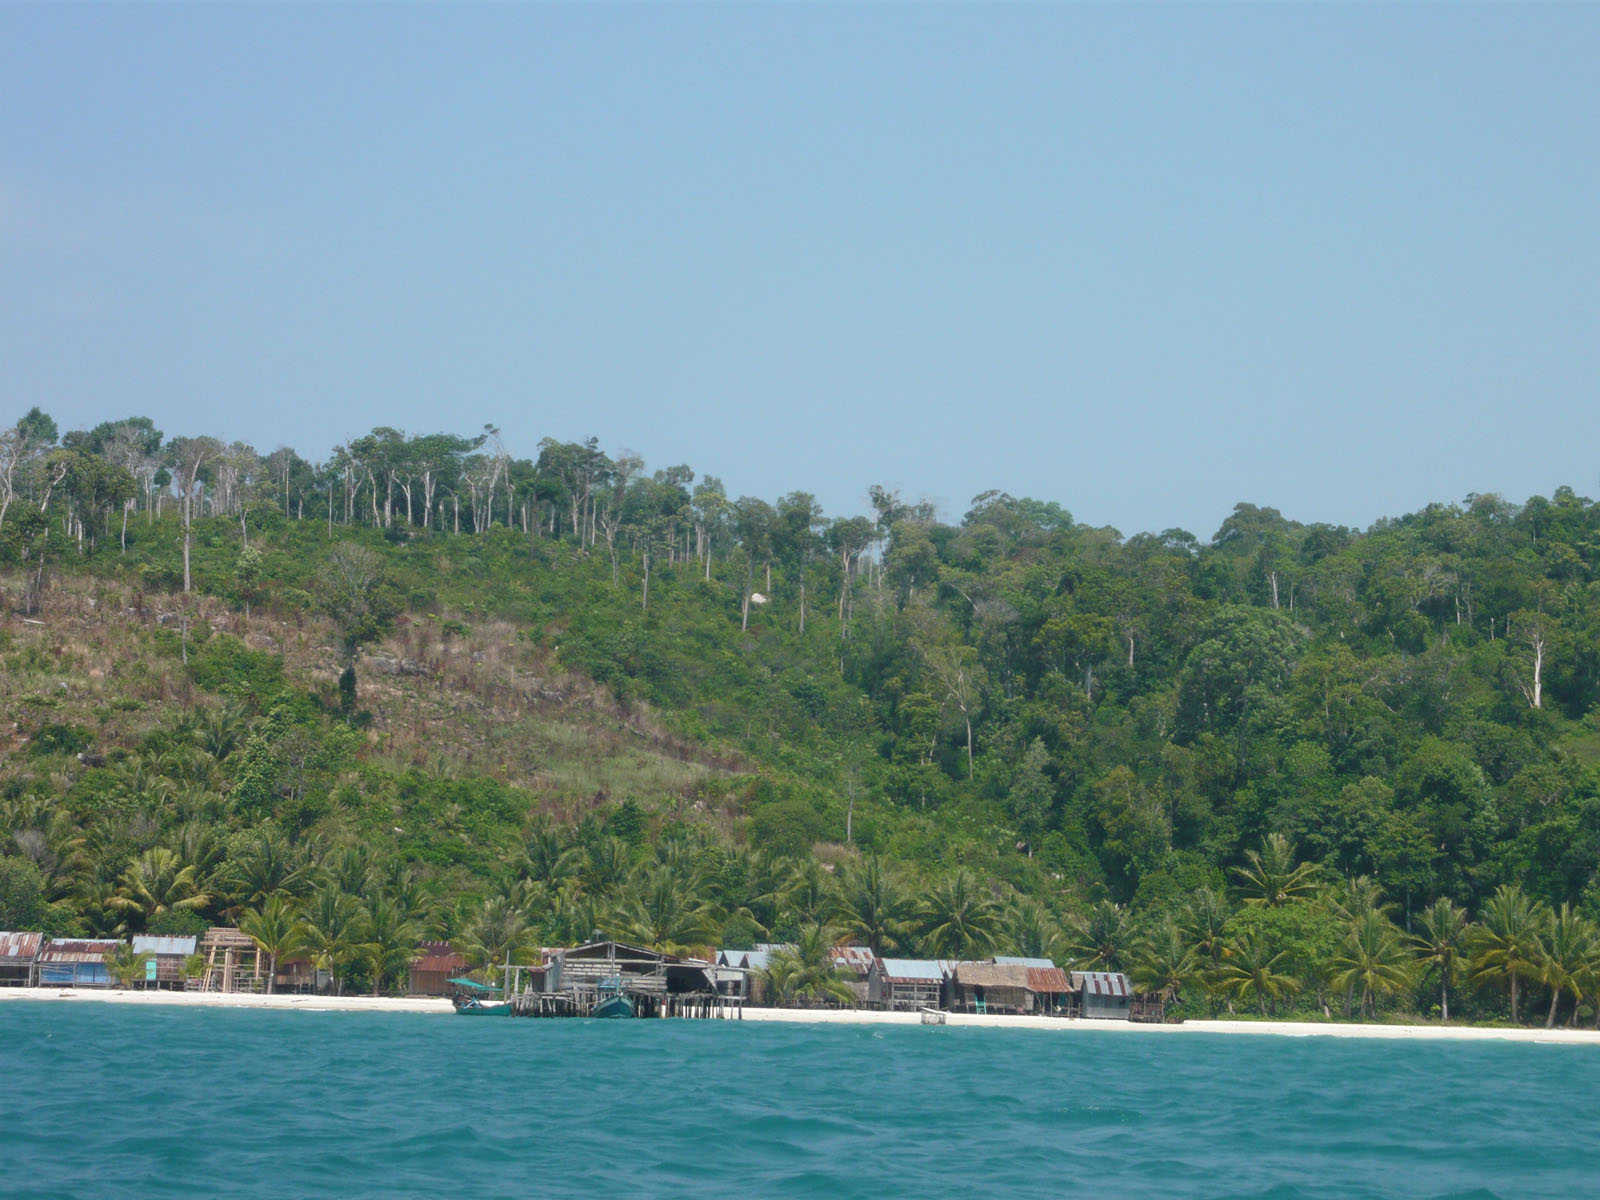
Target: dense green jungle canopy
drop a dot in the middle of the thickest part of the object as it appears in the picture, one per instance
(1011, 732)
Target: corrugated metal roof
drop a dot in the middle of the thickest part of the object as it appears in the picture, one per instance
(164, 945)
(1011, 960)
(854, 958)
(756, 960)
(1047, 979)
(438, 956)
(913, 970)
(24, 946)
(220, 937)
(78, 951)
(1101, 983)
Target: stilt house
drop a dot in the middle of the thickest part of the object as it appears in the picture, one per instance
(19, 959)
(907, 983)
(990, 987)
(854, 965)
(1052, 990)
(164, 968)
(77, 963)
(1106, 995)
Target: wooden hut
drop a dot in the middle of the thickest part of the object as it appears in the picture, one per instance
(1052, 990)
(740, 973)
(164, 968)
(299, 974)
(233, 962)
(436, 962)
(907, 983)
(984, 987)
(1106, 995)
(645, 973)
(77, 963)
(19, 959)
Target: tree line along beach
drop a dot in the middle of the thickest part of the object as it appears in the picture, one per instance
(426, 689)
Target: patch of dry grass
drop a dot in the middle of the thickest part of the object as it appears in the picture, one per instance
(456, 704)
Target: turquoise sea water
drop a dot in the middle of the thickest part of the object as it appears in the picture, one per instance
(111, 1101)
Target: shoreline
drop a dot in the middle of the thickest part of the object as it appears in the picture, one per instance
(434, 1006)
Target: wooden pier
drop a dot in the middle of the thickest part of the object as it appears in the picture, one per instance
(689, 1007)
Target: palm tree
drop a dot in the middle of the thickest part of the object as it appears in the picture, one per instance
(660, 914)
(499, 929)
(1252, 969)
(349, 868)
(1272, 877)
(387, 938)
(1508, 943)
(1030, 929)
(872, 905)
(958, 920)
(1204, 923)
(99, 904)
(1355, 897)
(1374, 959)
(198, 846)
(271, 867)
(1440, 943)
(604, 864)
(326, 928)
(1101, 939)
(573, 913)
(544, 858)
(1571, 946)
(157, 883)
(805, 971)
(1163, 962)
(411, 893)
(275, 929)
(126, 967)
(808, 893)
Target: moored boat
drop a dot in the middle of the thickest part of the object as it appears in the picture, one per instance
(614, 1001)
(474, 999)
(473, 1007)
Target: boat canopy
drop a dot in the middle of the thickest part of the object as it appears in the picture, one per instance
(473, 984)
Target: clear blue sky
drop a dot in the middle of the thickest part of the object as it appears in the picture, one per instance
(1144, 261)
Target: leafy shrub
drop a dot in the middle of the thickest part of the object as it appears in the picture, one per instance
(227, 665)
(57, 738)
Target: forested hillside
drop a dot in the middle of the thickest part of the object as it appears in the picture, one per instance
(427, 686)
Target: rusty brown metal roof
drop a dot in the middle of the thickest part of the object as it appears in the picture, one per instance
(79, 951)
(854, 958)
(1048, 979)
(438, 956)
(21, 946)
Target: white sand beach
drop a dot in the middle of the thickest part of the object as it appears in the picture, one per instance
(304, 1003)
(1465, 1033)
(285, 1003)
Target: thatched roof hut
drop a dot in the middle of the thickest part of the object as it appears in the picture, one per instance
(992, 987)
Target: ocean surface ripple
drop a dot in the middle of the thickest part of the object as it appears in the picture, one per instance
(106, 1101)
